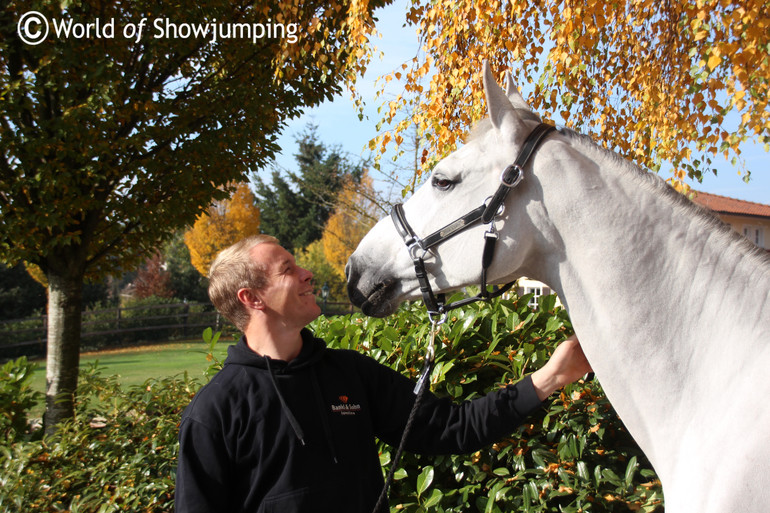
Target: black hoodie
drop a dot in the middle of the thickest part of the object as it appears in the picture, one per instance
(269, 436)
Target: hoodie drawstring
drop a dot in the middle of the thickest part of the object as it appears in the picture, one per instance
(289, 415)
(293, 420)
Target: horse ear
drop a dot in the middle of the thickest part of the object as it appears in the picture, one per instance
(501, 111)
(512, 92)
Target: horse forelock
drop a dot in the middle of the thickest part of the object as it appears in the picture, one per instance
(479, 130)
(485, 126)
(731, 240)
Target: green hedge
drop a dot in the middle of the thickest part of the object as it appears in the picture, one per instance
(118, 454)
(573, 456)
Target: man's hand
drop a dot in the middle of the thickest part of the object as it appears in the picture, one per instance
(567, 364)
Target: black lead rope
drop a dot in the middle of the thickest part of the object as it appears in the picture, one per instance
(423, 384)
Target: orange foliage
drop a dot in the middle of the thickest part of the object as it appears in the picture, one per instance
(223, 224)
(651, 80)
(355, 215)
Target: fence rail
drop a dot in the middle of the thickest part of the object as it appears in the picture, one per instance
(125, 326)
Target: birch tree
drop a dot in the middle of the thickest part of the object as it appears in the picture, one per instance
(678, 82)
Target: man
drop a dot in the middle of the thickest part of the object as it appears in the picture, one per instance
(289, 426)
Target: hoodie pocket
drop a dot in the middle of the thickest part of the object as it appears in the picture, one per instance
(307, 500)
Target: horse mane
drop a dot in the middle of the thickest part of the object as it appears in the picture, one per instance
(651, 182)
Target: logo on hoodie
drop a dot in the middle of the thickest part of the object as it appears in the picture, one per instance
(344, 407)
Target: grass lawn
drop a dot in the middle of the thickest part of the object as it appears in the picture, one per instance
(137, 364)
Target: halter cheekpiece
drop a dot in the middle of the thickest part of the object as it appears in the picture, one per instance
(486, 213)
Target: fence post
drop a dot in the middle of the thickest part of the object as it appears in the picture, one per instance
(186, 313)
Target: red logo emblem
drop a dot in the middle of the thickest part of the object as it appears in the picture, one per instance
(344, 399)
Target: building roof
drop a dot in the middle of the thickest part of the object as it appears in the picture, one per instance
(725, 205)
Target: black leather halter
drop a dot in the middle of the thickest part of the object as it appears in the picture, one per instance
(486, 213)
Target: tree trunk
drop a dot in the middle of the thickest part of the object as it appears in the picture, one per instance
(65, 294)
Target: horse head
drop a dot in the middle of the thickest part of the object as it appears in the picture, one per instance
(381, 273)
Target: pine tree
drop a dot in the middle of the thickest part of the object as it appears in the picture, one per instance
(296, 205)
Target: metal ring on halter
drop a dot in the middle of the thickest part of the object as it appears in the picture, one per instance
(414, 247)
(435, 323)
(500, 209)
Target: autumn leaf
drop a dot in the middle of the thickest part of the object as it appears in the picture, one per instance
(356, 213)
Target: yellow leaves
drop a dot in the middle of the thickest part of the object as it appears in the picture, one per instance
(224, 224)
(36, 273)
(713, 61)
(623, 75)
(354, 216)
(738, 100)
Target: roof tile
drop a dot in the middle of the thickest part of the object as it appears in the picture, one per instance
(725, 205)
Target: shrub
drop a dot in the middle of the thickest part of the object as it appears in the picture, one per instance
(119, 453)
(16, 398)
(575, 455)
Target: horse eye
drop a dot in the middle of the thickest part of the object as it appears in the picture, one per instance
(443, 184)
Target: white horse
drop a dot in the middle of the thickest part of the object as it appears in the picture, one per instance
(672, 308)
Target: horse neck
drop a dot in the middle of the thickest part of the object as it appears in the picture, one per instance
(649, 285)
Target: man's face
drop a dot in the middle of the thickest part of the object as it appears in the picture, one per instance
(288, 295)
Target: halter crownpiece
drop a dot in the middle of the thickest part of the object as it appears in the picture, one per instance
(486, 213)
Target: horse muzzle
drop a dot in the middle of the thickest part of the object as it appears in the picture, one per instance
(375, 296)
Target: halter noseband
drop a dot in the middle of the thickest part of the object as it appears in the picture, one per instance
(486, 213)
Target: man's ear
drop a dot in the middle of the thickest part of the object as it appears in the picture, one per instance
(250, 299)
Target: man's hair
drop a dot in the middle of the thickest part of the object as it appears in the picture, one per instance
(234, 269)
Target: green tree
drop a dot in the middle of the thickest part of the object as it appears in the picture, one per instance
(314, 259)
(295, 207)
(108, 145)
(186, 281)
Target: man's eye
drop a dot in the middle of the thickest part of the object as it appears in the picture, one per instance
(441, 183)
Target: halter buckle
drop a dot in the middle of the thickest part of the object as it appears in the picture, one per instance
(507, 180)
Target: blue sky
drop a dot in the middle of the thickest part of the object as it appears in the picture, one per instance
(338, 122)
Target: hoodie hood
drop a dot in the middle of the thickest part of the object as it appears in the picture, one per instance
(311, 352)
